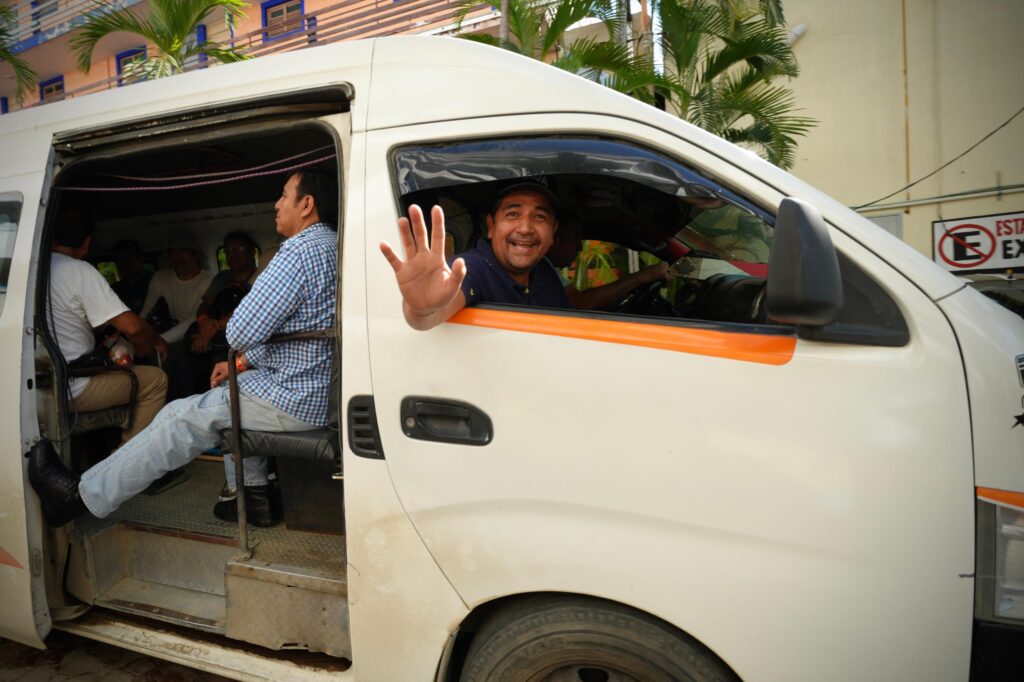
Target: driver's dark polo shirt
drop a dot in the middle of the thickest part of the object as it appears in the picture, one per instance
(488, 282)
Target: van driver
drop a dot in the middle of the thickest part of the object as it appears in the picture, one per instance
(507, 267)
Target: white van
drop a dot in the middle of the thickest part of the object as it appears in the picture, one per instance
(801, 460)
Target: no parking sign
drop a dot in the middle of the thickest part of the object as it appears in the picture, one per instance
(993, 243)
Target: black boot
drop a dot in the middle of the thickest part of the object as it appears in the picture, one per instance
(56, 486)
(261, 507)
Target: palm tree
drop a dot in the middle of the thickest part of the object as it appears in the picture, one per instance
(719, 61)
(536, 28)
(721, 65)
(170, 28)
(24, 75)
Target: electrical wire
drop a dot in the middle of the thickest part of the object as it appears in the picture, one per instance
(220, 173)
(945, 165)
(188, 185)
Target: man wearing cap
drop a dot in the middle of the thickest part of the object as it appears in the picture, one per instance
(181, 286)
(507, 267)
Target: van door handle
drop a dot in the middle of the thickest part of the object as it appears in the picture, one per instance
(445, 421)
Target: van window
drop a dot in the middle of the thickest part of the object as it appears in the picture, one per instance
(624, 207)
(10, 213)
(627, 207)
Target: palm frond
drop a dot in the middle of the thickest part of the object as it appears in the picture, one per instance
(24, 75)
(170, 28)
(566, 13)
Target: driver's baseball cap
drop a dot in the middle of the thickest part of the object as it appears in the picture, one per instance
(537, 185)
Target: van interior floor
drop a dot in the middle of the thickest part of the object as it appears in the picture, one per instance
(188, 508)
(168, 558)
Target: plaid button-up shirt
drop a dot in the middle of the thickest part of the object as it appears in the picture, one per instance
(295, 293)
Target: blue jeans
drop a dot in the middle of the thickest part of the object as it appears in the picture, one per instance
(180, 432)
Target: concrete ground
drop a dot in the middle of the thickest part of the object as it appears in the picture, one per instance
(70, 657)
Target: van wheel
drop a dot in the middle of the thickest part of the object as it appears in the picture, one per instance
(576, 639)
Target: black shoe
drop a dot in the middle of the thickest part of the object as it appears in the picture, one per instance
(261, 507)
(56, 486)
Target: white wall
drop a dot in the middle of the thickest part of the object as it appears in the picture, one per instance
(880, 128)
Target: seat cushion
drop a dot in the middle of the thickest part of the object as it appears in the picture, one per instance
(319, 445)
(119, 417)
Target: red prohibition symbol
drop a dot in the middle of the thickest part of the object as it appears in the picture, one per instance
(983, 253)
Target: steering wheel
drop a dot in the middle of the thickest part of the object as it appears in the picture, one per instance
(640, 299)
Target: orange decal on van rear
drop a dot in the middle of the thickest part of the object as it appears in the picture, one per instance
(763, 348)
(1003, 497)
(7, 560)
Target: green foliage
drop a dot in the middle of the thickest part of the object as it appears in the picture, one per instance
(720, 62)
(170, 29)
(722, 65)
(24, 75)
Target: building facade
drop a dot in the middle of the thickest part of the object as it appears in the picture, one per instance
(900, 89)
(44, 29)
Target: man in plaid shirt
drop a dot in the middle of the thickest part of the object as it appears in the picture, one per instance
(283, 387)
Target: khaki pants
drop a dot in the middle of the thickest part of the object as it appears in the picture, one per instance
(108, 390)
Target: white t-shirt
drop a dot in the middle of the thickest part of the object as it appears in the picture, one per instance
(80, 300)
(183, 297)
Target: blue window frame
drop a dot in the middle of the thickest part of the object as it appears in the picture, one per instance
(200, 39)
(281, 18)
(125, 58)
(52, 90)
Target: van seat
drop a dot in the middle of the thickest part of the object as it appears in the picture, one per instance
(118, 416)
(318, 445)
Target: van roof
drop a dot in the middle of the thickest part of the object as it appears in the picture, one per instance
(421, 79)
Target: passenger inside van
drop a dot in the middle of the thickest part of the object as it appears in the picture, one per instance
(205, 341)
(565, 252)
(281, 389)
(80, 301)
(181, 286)
(133, 277)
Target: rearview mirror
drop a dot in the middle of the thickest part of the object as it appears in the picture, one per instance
(804, 286)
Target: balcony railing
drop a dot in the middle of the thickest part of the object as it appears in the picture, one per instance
(346, 20)
(40, 20)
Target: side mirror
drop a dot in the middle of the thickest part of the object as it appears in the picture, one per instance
(804, 286)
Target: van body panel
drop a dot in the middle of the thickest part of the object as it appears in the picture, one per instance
(26, 618)
(463, 80)
(992, 341)
(749, 488)
(401, 606)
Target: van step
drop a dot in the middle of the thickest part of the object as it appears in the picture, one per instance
(287, 607)
(167, 603)
(188, 561)
(206, 652)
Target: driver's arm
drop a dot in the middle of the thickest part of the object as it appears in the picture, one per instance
(599, 297)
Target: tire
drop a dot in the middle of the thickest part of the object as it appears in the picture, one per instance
(556, 638)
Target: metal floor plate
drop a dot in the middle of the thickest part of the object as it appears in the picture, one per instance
(188, 507)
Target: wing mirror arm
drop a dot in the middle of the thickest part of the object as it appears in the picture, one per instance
(804, 284)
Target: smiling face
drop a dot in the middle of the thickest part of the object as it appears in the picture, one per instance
(521, 230)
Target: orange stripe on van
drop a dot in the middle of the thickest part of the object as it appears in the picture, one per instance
(762, 348)
(7, 560)
(1002, 497)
